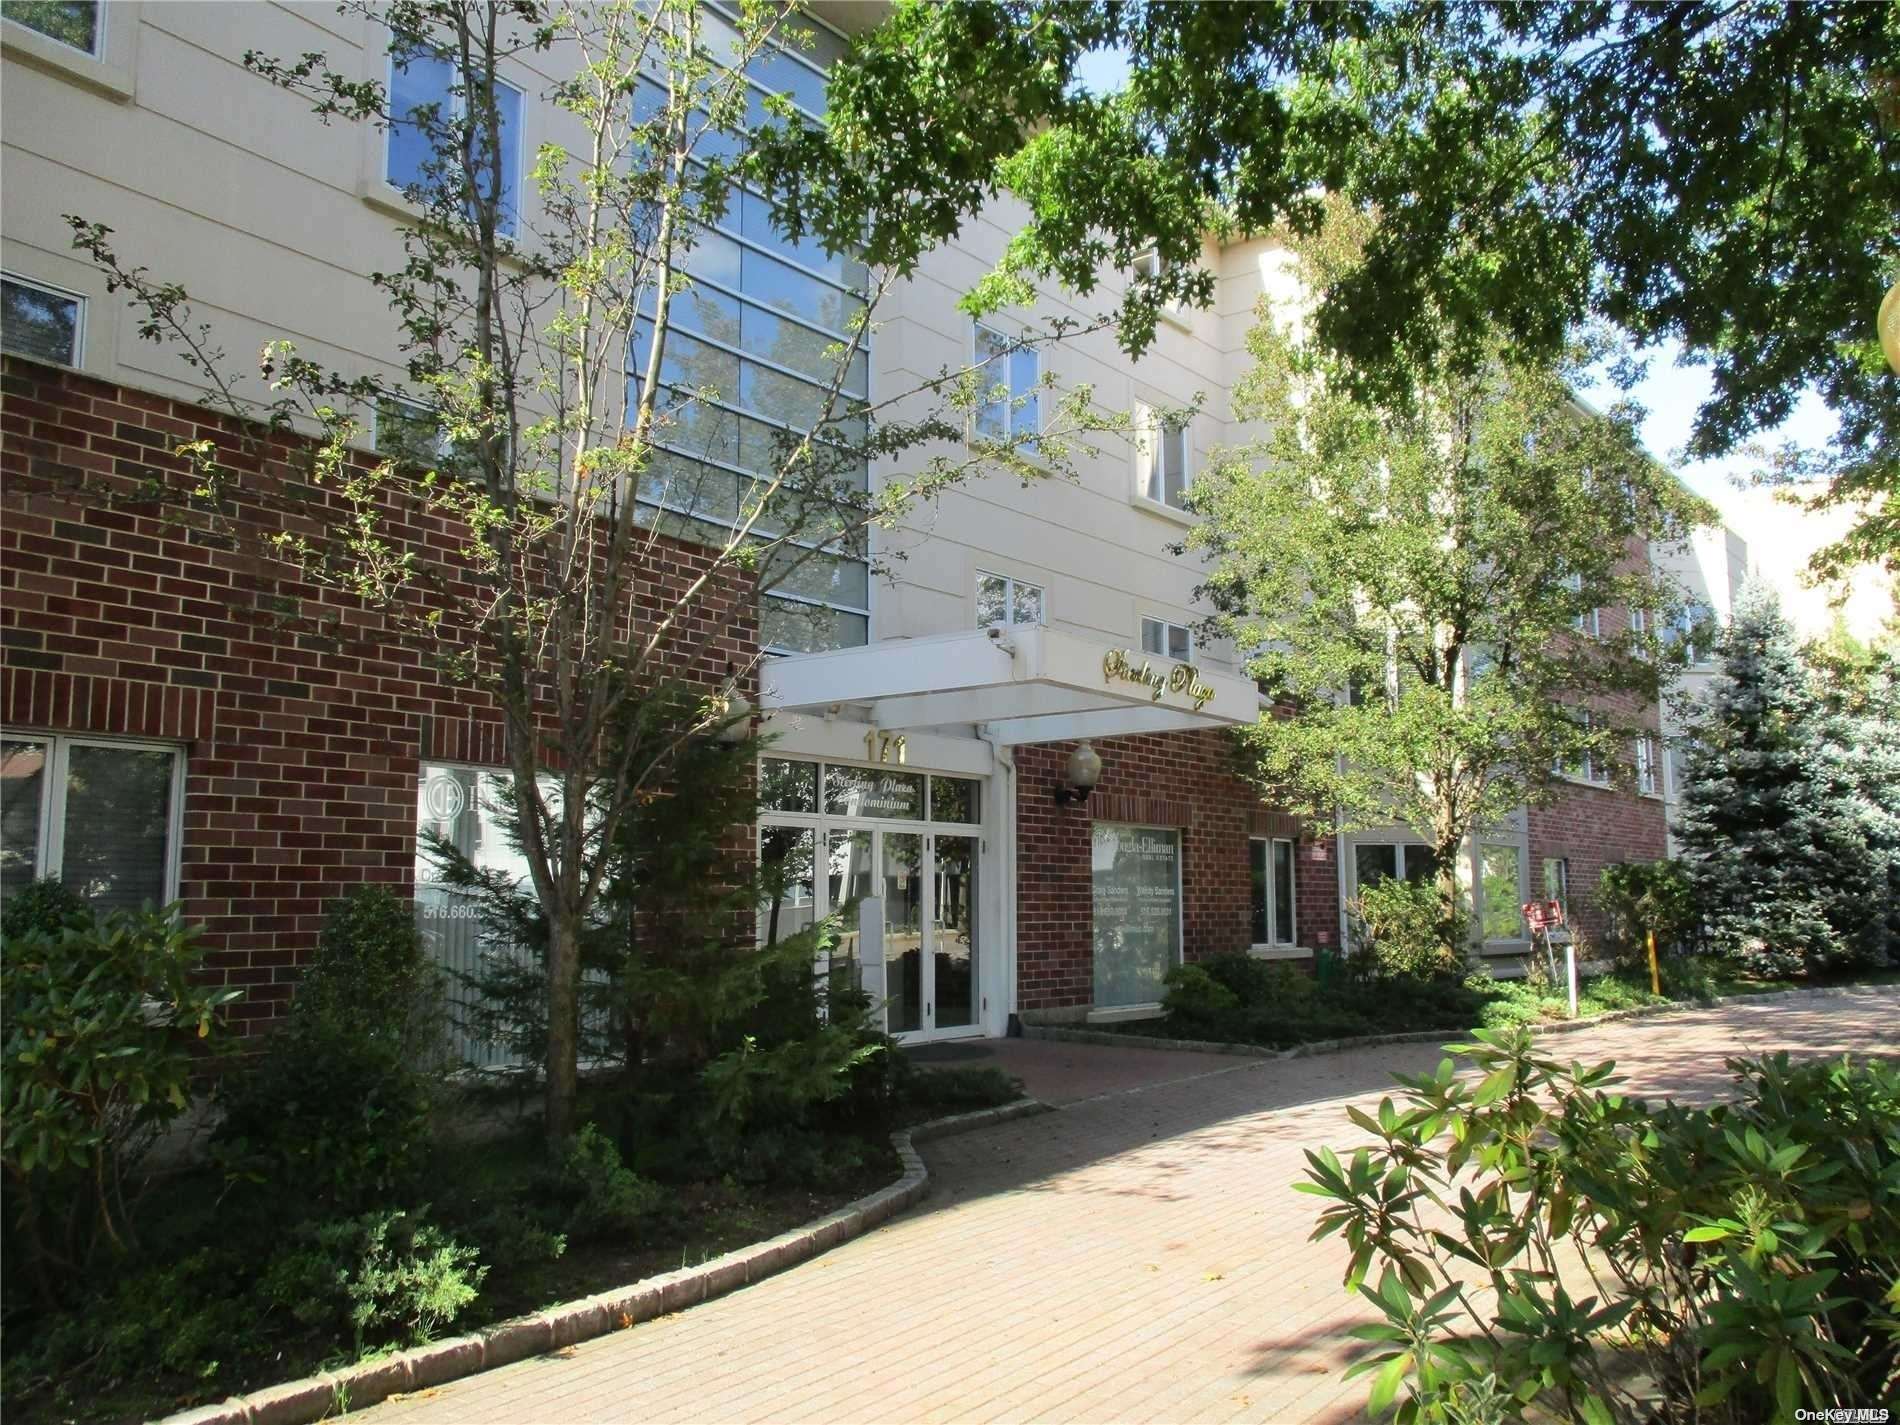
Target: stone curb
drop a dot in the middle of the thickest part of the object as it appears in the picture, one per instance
(1062, 1034)
(330, 1393)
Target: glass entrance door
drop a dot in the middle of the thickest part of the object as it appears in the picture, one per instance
(953, 930)
(833, 840)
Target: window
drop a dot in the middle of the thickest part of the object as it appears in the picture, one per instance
(1011, 379)
(1557, 881)
(101, 817)
(1167, 640)
(41, 322)
(79, 23)
(426, 82)
(1691, 628)
(1375, 861)
(1639, 622)
(1272, 867)
(1162, 471)
(1001, 599)
(409, 431)
(1500, 892)
(1584, 767)
(1149, 267)
(1646, 770)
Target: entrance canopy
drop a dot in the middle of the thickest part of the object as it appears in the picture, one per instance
(1021, 684)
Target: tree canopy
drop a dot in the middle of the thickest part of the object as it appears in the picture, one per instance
(1437, 591)
(1720, 173)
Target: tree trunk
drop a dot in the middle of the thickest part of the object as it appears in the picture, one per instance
(563, 1026)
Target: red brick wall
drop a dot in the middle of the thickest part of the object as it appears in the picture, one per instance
(304, 716)
(1593, 827)
(1181, 780)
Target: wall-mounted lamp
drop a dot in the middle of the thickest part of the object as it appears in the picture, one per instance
(735, 712)
(1085, 771)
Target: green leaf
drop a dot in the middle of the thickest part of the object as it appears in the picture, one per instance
(1385, 1387)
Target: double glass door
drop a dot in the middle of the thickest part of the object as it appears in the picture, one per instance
(908, 903)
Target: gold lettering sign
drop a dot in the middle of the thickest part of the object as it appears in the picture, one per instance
(1184, 679)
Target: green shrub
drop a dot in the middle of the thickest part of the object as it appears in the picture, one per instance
(605, 1197)
(1256, 982)
(105, 1026)
(378, 1278)
(1194, 995)
(45, 905)
(1743, 1256)
(338, 1109)
(1402, 932)
(1640, 896)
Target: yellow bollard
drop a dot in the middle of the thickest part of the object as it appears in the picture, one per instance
(1655, 970)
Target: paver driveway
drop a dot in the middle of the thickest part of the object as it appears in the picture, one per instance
(1134, 1256)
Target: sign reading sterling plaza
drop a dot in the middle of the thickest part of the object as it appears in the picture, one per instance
(1181, 679)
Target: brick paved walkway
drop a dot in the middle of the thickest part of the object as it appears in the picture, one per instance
(1136, 1256)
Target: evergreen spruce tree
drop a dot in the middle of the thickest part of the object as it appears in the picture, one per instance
(1772, 837)
(1861, 687)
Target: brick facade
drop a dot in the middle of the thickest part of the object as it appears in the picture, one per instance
(1590, 826)
(304, 716)
(1594, 827)
(1181, 780)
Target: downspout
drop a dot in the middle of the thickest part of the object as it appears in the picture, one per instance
(1004, 756)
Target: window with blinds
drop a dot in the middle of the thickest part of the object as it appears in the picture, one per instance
(100, 816)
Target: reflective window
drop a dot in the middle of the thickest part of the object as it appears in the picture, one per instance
(1001, 599)
(71, 22)
(1272, 879)
(1136, 907)
(872, 791)
(755, 346)
(423, 95)
(1501, 869)
(39, 322)
(96, 816)
(785, 785)
(1011, 377)
(955, 799)
(1167, 640)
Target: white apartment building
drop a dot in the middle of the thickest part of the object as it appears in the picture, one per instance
(926, 726)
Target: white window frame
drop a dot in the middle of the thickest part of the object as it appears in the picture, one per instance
(98, 50)
(53, 289)
(1586, 770)
(1010, 584)
(1013, 409)
(1167, 627)
(1648, 775)
(444, 446)
(1150, 460)
(1272, 944)
(456, 110)
(49, 850)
